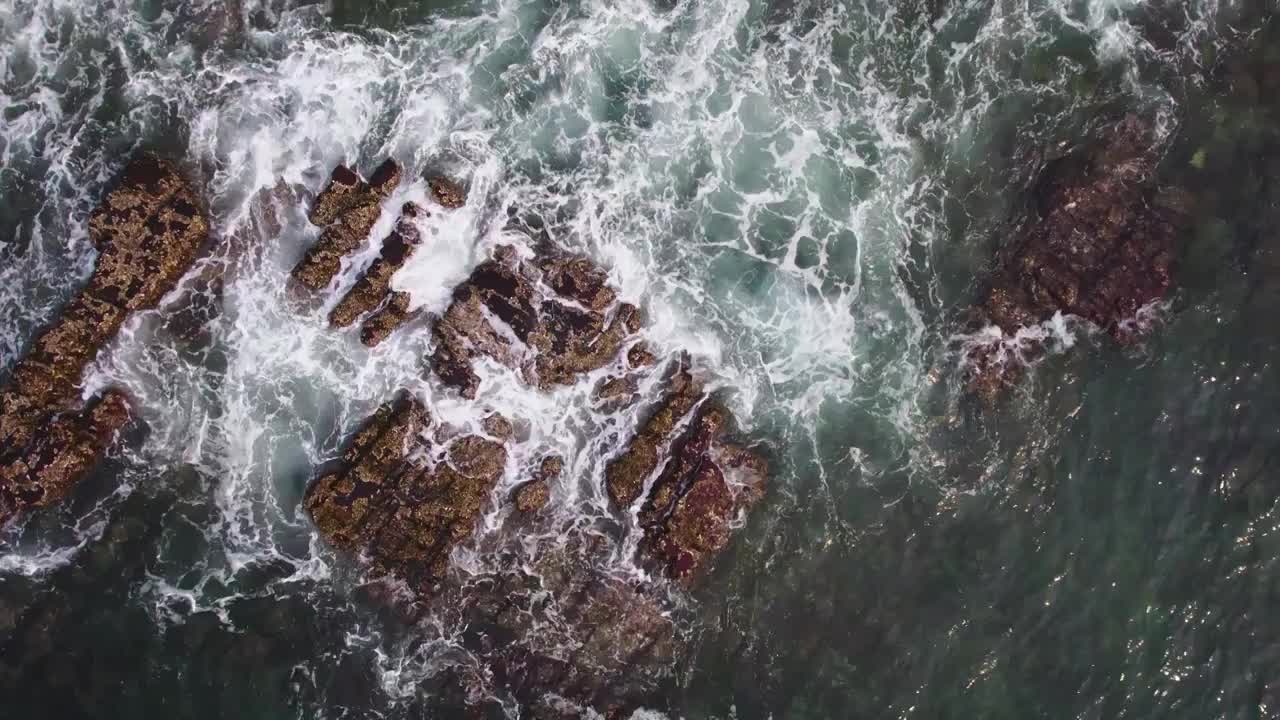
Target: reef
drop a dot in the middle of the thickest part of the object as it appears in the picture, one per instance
(706, 483)
(559, 629)
(1101, 247)
(148, 232)
(565, 638)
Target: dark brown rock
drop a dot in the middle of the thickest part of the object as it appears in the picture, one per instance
(626, 475)
(499, 427)
(446, 192)
(373, 288)
(557, 320)
(393, 315)
(1101, 249)
(616, 389)
(640, 356)
(578, 279)
(534, 495)
(688, 516)
(347, 209)
(64, 448)
(148, 231)
(566, 638)
(389, 501)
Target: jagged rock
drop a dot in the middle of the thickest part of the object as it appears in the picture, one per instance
(391, 500)
(553, 319)
(1101, 249)
(347, 209)
(393, 314)
(64, 449)
(499, 427)
(534, 495)
(688, 516)
(625, 476)
(374, 286)
(616, 390)
(446, 192)
(148, 232)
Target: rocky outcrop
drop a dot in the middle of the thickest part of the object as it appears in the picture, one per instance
(372, 291)
(1102, 247)
(699, 481)
(446, 192)
(534, 495)
(64, 448)
(707, 483)
(148, 232)
(552, 318)
(402, 500)
(625, 477)
(555, 625)
(347, 209)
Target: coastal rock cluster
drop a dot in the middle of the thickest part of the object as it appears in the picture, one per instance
(148, 232)
(1102, 248)
(407, 491)
(557, 628)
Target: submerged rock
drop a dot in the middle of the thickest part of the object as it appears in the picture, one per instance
(565, 638)
(1101, 249)
(401, 500)
(148, 231)
(553, 319)
(347, 209)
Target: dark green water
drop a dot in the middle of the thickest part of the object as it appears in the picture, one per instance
(806, 195)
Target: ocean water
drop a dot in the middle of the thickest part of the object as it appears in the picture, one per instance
(806, 197)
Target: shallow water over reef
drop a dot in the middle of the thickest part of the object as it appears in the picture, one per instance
(806, 197)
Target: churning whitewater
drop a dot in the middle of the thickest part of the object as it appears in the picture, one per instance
(807, 202)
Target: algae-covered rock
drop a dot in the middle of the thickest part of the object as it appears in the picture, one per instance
(347, 210)
(388, 500)
(148, 230)
(565, 638)
(446, 192)
(707, 482)
(534, 495)
(625, 476)
(553, 319)
(373, 288)
(65, 447)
